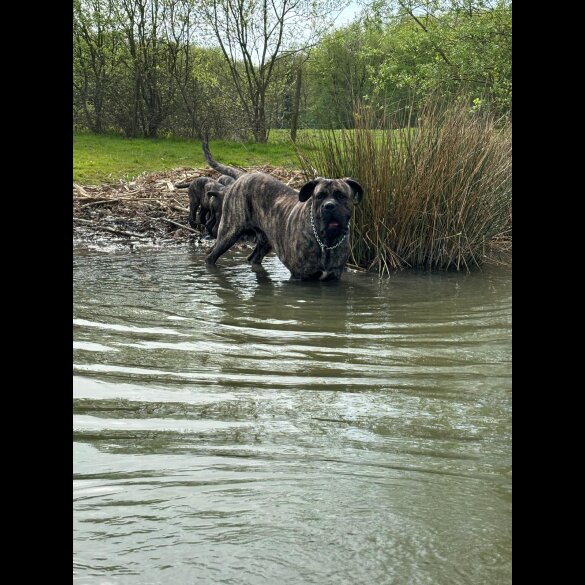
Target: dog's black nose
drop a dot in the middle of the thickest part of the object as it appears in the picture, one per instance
(329, 206)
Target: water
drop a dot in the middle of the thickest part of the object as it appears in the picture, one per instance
(235, 427)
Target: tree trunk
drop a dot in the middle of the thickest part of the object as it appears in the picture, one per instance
(134, 122)
(260, 130)
(294, 122)
(260, 135)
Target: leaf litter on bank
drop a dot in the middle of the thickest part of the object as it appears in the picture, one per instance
(149, 207)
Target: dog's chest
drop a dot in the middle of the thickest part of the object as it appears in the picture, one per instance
(300, 252)
(318, 264)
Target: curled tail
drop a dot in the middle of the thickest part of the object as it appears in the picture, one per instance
(223, 169)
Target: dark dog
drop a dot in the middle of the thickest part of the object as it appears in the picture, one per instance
(199, 210)
(308, 229)
(205, 210)
(215, 204)
(226, 180)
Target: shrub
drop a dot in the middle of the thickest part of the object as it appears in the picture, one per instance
(438, 192)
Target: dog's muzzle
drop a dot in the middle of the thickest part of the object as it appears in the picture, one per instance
(334, 227)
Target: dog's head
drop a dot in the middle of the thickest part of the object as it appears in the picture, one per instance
(332, 201)
(215, 203)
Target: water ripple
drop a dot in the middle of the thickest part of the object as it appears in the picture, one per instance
(238, 427)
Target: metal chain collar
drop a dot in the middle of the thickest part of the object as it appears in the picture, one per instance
(323, 246)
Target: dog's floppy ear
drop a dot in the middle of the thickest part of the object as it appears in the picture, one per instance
(214, 200)
(307, 190)
(358, 192)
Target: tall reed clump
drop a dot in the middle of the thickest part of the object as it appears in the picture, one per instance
(438, 192)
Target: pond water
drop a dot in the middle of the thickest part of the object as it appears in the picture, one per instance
(241, 428)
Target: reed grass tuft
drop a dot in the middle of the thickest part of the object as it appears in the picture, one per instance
(438, 192)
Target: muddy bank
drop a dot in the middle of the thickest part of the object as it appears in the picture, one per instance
(148, 210)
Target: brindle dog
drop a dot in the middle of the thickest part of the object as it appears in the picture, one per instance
(204, 210)
(200, 210)
(215, 204)
(308, 229)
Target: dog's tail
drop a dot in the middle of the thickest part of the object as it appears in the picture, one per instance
(223, 169)
(182, 185)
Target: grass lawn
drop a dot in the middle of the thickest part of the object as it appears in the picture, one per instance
(103, 159)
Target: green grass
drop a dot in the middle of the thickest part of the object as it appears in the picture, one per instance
(103, 159)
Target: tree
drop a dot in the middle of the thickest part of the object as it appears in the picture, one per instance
(95, 49)
(296, 104)
(148, 91)
(339, 74)
(449, 46)
(182, 57)
(255, 34)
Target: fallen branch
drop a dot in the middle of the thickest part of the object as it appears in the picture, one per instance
(99, 202)
(81, 190)
(108, 229)
(104, 197)
(186, 227)
(166, 205)
(179, 208)
(116, 199)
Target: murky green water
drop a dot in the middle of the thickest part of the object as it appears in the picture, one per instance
(240, 428)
